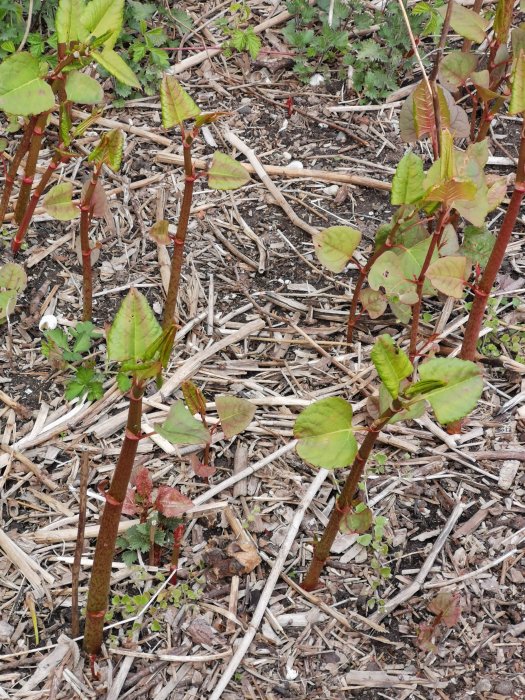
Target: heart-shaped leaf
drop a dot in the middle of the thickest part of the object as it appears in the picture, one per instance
(455, 69)
(176, 104)
(334, 246)
(449, 275)
(465, 22)
(391, 363)
(200, 469)
(462, 386)
(13, 277)
(373, 302)
(325, 434)
(235, 414)
(58, 202)
(134, 329)
(181, 428)
(226, 173)
(358, 521)
(83, 89)
(22, 90)
(387, 272)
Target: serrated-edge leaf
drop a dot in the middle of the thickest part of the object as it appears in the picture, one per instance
(102, 16)
(235, 414)
(335, 246)
(67, 21)
(176, 105)
(407, 184)
(134, 329)
(181, 428)
(325, 434)
(391, 363)
(58, 202)
(226, 173)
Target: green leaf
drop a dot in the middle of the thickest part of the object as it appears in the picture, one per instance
(58, 202)
(252, 43)
(391, 363)
(452, 191)
(449, 244)
(67, 22)
(461, 390)
(176, 104)
(416, 118)
(109, 149)
(181, 428)
(325, 434)
(412, 260)
(411, 412)
(334, 246)
(194, 398)
(373, 302)
(466, 23)
(83, 89)
(455, 69)
(102, 16)
(387, 272)
(226, 173)
(114, 64)
(358, 520)
(449, 275)
(477, 245)
(13, 277)
(517, 98)
(160, 232)
(22, 90)
(235, 414)
(133, 330)
(7, 304)
(407, 185)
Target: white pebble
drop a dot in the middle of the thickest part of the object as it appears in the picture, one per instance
(48, 323)
(316, 80)
(331, 191)
(296, 165)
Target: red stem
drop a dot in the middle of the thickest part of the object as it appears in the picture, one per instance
(361, 277)
(180, 237)
(30, 167)
(37, 193)
(344, 502)
(177, 540)
(485, 284)
(101, 572)
(86, 212)
(22, 149)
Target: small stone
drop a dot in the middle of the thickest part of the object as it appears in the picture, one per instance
(508, 472)
(316, 80)
(483, 686)
(296, 165)
(504, 688)
(331, 191)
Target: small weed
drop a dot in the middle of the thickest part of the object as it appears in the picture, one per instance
(240, 35)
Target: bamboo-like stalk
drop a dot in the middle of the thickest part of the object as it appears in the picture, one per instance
(30, 167)
(170, 307)
(79, 546)
(10, 177)
(37, 193)
(483, 288)
(101, 572)
(344, 502)
(86, 213)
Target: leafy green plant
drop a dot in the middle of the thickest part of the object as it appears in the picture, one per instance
(13, 280)
(31, 90)
(240, 34)
(376, 62)
(326, 436)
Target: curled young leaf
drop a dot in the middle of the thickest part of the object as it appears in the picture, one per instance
(391, 363)
(101, 17)
(194, 398)
(325, 434)
(200, 469)
(517, 97)
(143, 483)
(334, 246)
(177, 106)
(160, 232)
(109, 149)
(171, 502)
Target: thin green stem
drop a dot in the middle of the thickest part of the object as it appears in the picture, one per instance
(99, 584)
(344, 502)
